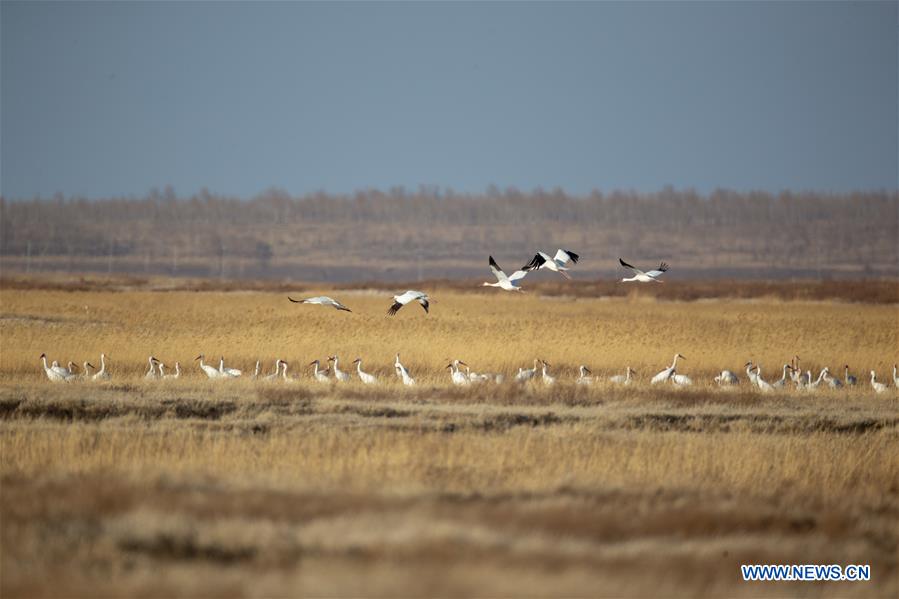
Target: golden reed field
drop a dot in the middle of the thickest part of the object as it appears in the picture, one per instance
(248, 489)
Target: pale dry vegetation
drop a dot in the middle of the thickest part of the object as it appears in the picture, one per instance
(198, 488)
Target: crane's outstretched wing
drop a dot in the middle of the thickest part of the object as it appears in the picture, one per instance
(536, 262)
(633, 268)
(394, 308)
(518, 274)
(497, 271)
(563, 256)
(663, 267)
(340, 306)
(424, 303)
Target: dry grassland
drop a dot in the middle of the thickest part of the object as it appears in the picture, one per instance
(239, 489)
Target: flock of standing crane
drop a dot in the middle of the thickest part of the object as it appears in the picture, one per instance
(791, 375)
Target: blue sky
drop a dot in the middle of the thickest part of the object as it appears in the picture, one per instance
(102, 99)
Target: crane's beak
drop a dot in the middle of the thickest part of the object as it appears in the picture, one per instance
(198, 357)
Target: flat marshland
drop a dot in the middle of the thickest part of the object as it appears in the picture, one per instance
(237, 488)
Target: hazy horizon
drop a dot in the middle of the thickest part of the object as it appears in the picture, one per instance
(115, 99)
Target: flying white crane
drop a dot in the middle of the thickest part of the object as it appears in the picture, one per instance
(526, 374)
(764, 385)
(585, 376)
(228, 372)
(55, 372)
(320, 376)
(502, 280)
(458, 377)
(623, 379)
(782, 382)
(403, 373)
(651, 276)
(668, 372)
(368, 379)
(151, 373)
(321, 300)
(339, 375)
(211, 371)
(102, 374)
(410, 296)
(548, 379)
(726, 378)
(878, 387)
(556, 263)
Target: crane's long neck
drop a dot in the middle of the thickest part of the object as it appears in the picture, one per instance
(102, 364)
(222, 364)
(873, 375)
(86, 369)
(177, 369)
(44, 360)
(150, 362)
(674, 363)
(821, 376)
(284, 369)
(784, 377)
(359, 366)
(161, 369)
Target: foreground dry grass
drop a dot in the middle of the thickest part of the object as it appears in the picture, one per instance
(192, 488)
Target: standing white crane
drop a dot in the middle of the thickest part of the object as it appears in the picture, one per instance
(782, 382)
(274, 375)
(762, 384)
(339, 375)
(102, 374)
(813, 385)
(368, 379)
(668, 372)
(211, 371)
(287, 379)
(256, 370)
(623, 379)
(681, 380)
(171, 377)
(895, 377)
(878, 387)
(86, 374)
(651, 276)
(151, 372)
(752, 376)
(556, 263)
(726, 378)
(228, 372)
(410, 296)
(321, 300)
(55, 372)
(548, 379)
(458, 377)
(526, 374)
(319, 375)
(850, 380)
(585, 376)
(403, 373)
(502, 280)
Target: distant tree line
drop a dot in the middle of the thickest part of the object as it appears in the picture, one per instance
(449, 234)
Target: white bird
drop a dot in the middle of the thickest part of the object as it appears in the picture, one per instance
(796, 372)
(256, 370)
(668, 372)
(834, 382)
(681, 379)
(151, 373)
(210, 371)
(585, 376)
(410, 296)
(526, 374)
(764, 385)
(321, 300)
(878, 387)
(547, 378)
(814, 384)
(274, 375)
(478, 377)
(228, 372)
(752, 376)
(86, 375)
(340, 375)
(556, 263)
(782, 382)
(170, 377)
(727, 378)
(403, 373)
(895, 377)
(623, 379)
(287, 379)
(102, 374)
(502, 281)
(55, 372)
(850, 380)
(651, 276)
(368, 379)
(458, 377)
(320, 376)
